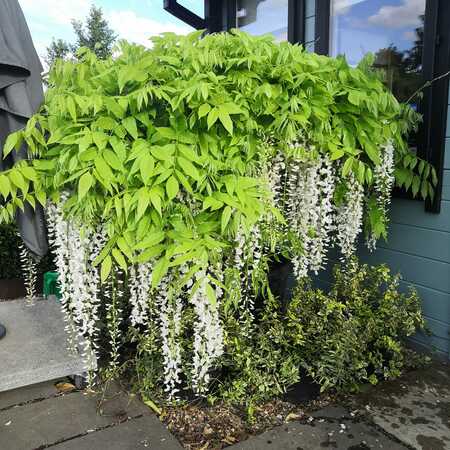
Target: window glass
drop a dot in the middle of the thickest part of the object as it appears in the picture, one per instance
(263, 16)
(390, 29)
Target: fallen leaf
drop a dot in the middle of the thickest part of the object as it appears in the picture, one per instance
(230, 440)
(64, 386)
(293, 416)
(151, 404)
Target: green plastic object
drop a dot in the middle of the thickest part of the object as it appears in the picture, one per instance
(51, 285)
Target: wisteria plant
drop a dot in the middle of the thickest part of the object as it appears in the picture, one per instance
(172, 176)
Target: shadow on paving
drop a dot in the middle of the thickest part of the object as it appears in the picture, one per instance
(412, 412)
(414, 408)
(39, 417)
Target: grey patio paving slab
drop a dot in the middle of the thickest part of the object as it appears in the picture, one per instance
(27, 394)
(64, 417)
(317, 435)
(416, 408)
(142, 433)
(35, 346)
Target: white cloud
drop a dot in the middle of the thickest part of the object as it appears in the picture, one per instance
(138, 29)
(404, 15)
(59, 12)
(341, 7)
(410, 35)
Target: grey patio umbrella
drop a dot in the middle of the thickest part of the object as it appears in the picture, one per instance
(21, 94)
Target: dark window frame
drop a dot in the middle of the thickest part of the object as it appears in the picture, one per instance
(185, 15)
(436, 61)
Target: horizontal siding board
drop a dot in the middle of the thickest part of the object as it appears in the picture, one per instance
(435, 304)
(439, 338)
(448, 121)
(410, 212)
(447, 152)
(415, 269)
(446, 185)
(422, 347)
(418, 241)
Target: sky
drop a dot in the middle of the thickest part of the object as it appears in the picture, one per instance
(363, 25)
(134, 20)
(272, 17)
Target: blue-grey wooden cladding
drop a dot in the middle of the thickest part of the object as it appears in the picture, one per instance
(418, 247)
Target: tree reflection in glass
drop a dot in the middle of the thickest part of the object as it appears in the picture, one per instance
(390, 29)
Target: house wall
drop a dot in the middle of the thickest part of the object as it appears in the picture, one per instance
(418, 244)
(418, 247)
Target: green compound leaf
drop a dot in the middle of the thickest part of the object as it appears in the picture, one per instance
(84, 184)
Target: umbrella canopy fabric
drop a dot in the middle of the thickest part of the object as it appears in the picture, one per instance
(21, 94)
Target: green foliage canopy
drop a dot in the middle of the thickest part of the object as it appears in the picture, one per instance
(165, 145)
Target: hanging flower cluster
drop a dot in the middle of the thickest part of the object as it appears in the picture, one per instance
(349, 217)
(208, 334)
(79, 281)
(308, 187)
(29, 265)
(384, 177)
(140, 279)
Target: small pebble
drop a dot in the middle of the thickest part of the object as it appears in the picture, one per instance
(7, 424)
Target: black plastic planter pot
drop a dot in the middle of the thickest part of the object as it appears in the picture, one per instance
(12, 288)
(15, 288)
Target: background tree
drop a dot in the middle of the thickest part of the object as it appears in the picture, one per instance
(57, 49)
(95, 34)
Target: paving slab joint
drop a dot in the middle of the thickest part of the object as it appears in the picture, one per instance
(37, 400)
(94, 430)
(390, 436)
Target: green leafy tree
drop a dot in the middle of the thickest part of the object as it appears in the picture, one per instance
(58, 49)
(95, 34)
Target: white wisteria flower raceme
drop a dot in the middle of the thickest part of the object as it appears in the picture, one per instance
(303, 182)
(349, 217)
(208, 334)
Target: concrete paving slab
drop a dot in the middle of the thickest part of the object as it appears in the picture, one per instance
(27, 394)
(35, 346)
(340, 434)
(415, 408)
(141, 433)
(332, 412)
(60, 418)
